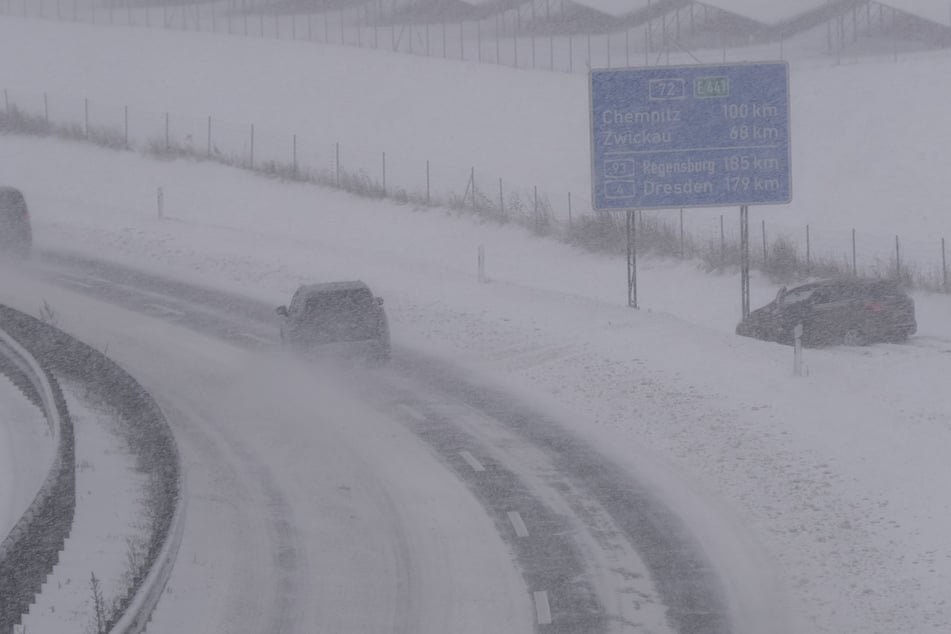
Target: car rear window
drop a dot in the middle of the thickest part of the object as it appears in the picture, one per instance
(11, 198)
(341, 315)
(342, 302)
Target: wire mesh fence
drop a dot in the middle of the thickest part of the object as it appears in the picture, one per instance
(511, 37)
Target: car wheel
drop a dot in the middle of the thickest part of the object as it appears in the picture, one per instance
(853, 337)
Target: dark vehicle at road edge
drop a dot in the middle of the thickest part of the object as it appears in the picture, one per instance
(850, 311)
(336, 319)
(16, 235)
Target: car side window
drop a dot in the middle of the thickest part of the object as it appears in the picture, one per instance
(796, 295)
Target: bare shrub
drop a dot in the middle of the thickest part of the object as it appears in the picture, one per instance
(783, 262)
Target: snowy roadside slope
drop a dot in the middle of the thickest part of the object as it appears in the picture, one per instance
(865, 155)
(831, 475)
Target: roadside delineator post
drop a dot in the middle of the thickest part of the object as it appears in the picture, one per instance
(797, 350)
(481, 261)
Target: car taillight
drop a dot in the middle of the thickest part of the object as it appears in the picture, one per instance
(875, 307)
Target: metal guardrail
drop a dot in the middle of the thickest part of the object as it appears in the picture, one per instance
(150, 436)
(31, 549)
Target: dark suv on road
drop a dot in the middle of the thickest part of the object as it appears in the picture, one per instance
(15, 234)
(338, 319)
(850, 311)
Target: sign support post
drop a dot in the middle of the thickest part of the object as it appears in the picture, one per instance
(631, 260)
(745, 261)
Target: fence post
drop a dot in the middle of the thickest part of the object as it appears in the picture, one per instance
(498, 41)
(501, 200)
(808, 253)
(535, 207)
(384, 174)
(897, 259)
(86, 118)
(855, 270)
(534, 27)
(209, 136)
(294, 152)
(944, 267)
(722, 243)
(478, 38)
(394, 44)
(472, 182)
(427, 183)
(126, 125)
(337, 164)
(571, 53)
(765, 254)
(252, 146)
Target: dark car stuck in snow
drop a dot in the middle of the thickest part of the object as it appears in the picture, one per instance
(336, 319)
(16, 236)
(850, 311)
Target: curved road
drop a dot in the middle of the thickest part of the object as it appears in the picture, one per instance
(405, 500)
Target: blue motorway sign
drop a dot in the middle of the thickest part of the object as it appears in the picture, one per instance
(690, 136)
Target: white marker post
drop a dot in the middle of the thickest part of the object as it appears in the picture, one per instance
(481, 258)
(797, 350)
(160, 199)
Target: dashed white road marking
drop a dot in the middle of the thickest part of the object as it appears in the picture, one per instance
(75, 282)
(542, 609)
(469, 458)
(248, 335)
(412, 412)
(520, 529)
(165, 310)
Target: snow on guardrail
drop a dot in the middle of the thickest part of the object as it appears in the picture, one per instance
(31, 549)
